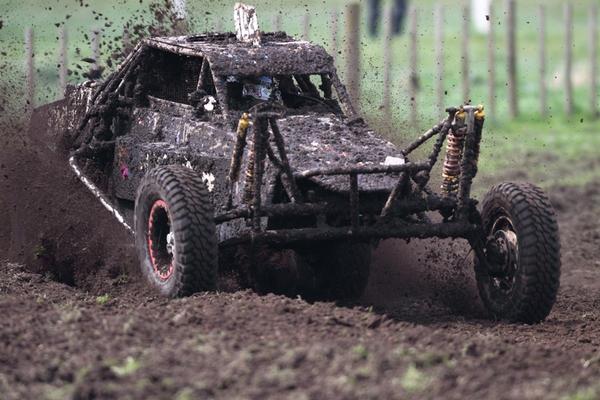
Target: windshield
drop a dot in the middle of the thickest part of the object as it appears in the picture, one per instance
(300, 94)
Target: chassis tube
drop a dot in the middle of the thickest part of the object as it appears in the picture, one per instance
(383, 231)
(366, 169)
(403, 207)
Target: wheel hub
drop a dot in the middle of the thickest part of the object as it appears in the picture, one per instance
(170, 243)
(502, 252)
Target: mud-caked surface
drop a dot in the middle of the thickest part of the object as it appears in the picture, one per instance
(419, 332)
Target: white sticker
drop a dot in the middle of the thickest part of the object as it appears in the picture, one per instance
(209, 179)
(210, 103)
(393, 161)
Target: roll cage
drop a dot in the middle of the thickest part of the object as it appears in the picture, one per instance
(216, 78)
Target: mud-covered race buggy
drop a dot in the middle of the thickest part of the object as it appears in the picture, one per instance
(247, 148)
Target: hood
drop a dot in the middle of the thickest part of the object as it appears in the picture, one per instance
(327, 141)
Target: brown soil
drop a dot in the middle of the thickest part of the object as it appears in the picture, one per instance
(58, 341)
(419, 331)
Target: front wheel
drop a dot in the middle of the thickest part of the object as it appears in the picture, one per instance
(519, 278)
(175, 232)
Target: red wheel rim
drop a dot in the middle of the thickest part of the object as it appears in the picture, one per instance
(161, 242)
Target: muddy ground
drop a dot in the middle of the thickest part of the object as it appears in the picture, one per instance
(77, 322)
(413, 335)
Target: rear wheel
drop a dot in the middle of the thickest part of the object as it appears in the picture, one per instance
(520, 277)
(345, 270)
(175, 231)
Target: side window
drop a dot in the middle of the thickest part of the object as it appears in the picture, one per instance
(298, 93)
(245, 91)
(309, 93)
(172, 77)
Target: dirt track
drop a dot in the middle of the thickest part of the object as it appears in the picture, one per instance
(419, 331)
(58, 340)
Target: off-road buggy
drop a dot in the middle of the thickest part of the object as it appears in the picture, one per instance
(247, 148)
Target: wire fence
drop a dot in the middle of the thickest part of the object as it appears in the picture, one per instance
(356, 67)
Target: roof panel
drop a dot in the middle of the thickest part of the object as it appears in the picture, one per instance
(278, 55)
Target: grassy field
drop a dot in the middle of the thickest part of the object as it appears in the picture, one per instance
(548, 146)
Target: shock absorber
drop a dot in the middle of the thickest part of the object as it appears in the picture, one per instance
(238, 154)
(454, 153)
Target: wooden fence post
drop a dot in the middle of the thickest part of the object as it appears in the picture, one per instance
(491, 106)
(218, 24)
(439, 59)
(353, 52)
(387, 68)
(568, 58)
(277, 22)
(466, 89)
(543, 88)
(513, 101)
(414, 76)
(126, 39)
(95, 44)
(306, 27)
(62, 60)
(179, 9)
(593, 40)
(334, 34)
(29, 70)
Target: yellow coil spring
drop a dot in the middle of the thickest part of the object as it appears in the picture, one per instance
(451, 168)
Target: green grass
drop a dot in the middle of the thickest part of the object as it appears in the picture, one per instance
(546, 145)
(414, 380)
(102, 300)
(128, 367)
(583, 394)
(552, 153)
